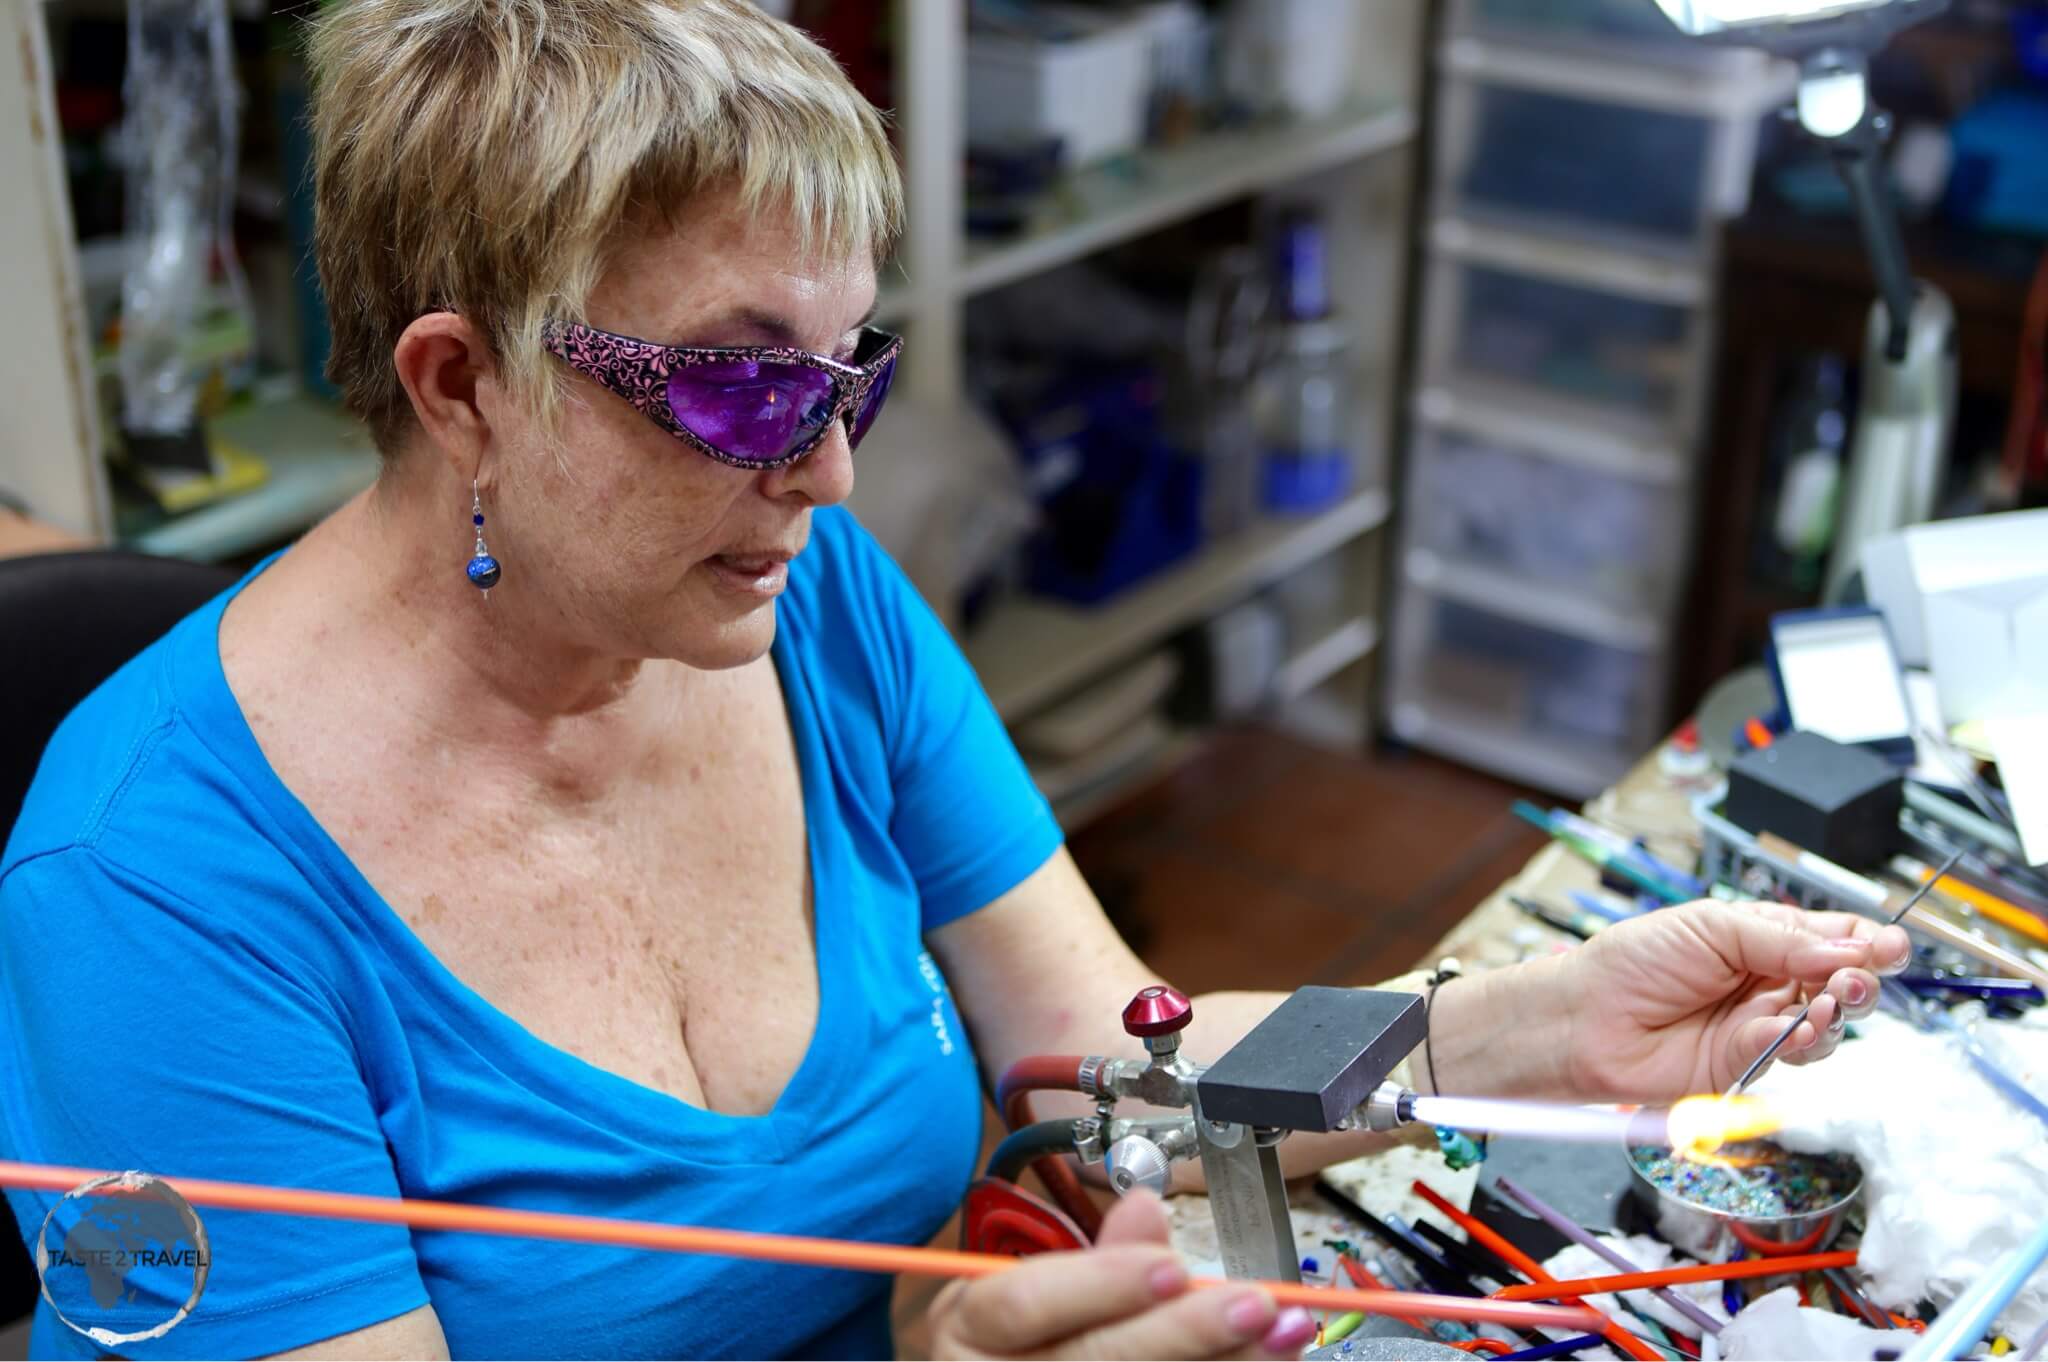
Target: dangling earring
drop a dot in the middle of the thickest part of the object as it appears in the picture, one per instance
(483, 569)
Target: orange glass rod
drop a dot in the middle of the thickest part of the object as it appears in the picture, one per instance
(799, 1250)
(1677, 1276)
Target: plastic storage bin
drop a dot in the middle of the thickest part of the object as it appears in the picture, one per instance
(1570, 165)
(1635, 26)
(1569, 528)
(1552, 688)
(1118, 500)
(1732, 856)
(1088, 88)
(1583, 344)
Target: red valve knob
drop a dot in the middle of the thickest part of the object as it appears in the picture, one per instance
(1158, 1011)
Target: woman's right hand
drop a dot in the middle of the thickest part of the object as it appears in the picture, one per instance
(1127, 1297)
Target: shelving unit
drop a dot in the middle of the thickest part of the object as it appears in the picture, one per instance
(1483, 739)
(51, 456)
(1078, 806)
(1350, 641)
(1354, 165)
(1572, 614)
(1558, 428)
(1033, 651)
(1104, 207)
(1565, 331)
(1640, 268)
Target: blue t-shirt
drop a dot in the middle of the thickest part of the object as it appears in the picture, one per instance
(195, 980)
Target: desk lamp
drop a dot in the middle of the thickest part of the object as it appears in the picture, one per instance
(1907, 406)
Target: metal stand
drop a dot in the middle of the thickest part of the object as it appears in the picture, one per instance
(1310, 1065)
(1907, 406)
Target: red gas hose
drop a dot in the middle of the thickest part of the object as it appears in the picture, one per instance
(1049, 1073)
(1033, 1073)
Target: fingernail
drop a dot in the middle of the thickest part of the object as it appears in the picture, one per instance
(1289, 1332)
(1168, 1280)
(1856, 993)
(1250, 1314)
(1839, 1024)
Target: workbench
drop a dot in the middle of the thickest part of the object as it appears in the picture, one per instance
(1645, 803)
(1495, 933)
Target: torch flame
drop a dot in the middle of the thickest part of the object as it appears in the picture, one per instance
(1720, 1160)
(1700, 1126)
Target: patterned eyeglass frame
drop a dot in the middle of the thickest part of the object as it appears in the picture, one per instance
(638, 371)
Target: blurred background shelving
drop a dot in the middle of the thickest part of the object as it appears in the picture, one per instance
(1029, 651)
(1159, 171)
(1098, 209)
(1470, 376)
(1573, 291)
(1581, 165)
(1110, 250)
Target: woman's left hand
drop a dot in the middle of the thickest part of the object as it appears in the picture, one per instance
(1683, 999)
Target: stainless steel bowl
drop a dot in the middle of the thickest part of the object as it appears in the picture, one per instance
(1712, 1236)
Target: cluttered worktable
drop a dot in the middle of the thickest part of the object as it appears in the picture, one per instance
(1947, 1179)
(1645, 803)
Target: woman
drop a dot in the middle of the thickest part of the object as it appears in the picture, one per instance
(590, 817)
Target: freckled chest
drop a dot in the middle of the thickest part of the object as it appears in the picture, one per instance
(660, 927)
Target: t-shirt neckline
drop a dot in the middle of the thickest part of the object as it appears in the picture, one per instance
(660, 1120)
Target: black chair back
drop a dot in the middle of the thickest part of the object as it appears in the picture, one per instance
(67, 622)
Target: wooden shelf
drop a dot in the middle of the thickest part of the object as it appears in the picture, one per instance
(1324, 657)
(1029, 651)
(1103, 206)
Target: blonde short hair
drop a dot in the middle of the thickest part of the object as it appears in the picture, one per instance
(482, 155)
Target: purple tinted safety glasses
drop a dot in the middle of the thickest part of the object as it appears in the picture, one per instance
(749, 406)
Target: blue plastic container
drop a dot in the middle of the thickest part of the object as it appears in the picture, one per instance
(1119, 500)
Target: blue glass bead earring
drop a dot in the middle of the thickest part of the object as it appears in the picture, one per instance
(483, 569)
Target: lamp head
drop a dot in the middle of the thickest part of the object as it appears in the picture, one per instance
(1799, 28)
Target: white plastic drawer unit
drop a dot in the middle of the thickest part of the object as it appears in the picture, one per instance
(1561, 528)
(1644, 156)
(1637, 358)
(1572, 161)
(1621, 27)
(1530, 702)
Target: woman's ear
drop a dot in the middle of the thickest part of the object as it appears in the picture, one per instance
(440, 359)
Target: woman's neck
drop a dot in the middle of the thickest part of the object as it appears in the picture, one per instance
(372, 612)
